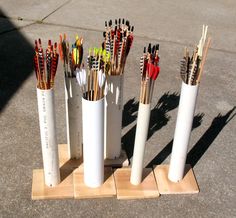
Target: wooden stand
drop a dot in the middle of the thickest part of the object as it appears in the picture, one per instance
(122, 161)
(72, 182)
(81, 191)
(188, 185)
(64, 157)
(125, 190)
(65, 189)
(41, 192)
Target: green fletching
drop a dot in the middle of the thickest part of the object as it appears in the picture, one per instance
(100, 51)
(104, 53)
(95, 51)
(90, 51)
(108, 56)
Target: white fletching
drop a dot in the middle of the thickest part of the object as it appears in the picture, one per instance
(83, 76)
(202, 40)
(78, 77)
(101, 78)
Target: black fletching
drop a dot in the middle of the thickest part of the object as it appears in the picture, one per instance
(149, 48)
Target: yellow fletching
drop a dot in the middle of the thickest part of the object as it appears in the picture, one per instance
(74, 55)
(104, 53)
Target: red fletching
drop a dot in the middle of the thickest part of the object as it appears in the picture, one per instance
(130, 39)
(117, 43)
(156, 72)
(50, 62)
(60, 51)
(112, 34)
(150, 69)
(54, 66)
(157, 59)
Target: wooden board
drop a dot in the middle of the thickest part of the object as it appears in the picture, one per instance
(65, 189)
(63, 154)
(81, 191)
(64, 159)
(122, 161)
(186, 186)
(125, 190)
(40, 191)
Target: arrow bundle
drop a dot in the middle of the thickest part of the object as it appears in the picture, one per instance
(63, 48)
(118, 41)
(92, 84)
(45, 79)
(149, 67)
(191, 68)
(73, 58)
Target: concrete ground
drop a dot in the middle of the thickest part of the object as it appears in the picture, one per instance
(173, 24)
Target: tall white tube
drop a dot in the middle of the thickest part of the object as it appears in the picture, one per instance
(93, 142)
(183, 129)
(113, 116)
(73, 127)
(139, 144)
(48, 136)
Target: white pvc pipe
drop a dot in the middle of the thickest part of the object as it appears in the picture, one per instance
(139, 144)
(183, 129)
(73, 126)
(48, 136)
(113, 116)
(93, 142)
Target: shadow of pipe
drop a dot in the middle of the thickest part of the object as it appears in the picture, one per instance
(158, 119)
(217, 125)
(129, 112)
(166, 151)
(16, 59)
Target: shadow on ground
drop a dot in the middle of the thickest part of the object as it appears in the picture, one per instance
(198, 150)
(165, 152)
(129, 112)
(16, 60)
(158, 118)
(218, 123)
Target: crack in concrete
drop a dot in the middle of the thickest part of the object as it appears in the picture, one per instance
(16, 28)
(56, 9)
(139, 37)
(42, 22)
(29, 20)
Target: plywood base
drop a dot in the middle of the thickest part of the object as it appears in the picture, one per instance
(122, 161)
(186, 186)
(125, 190)
(64, 157)
(65, 189)
(81, 191)
(40, 191)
